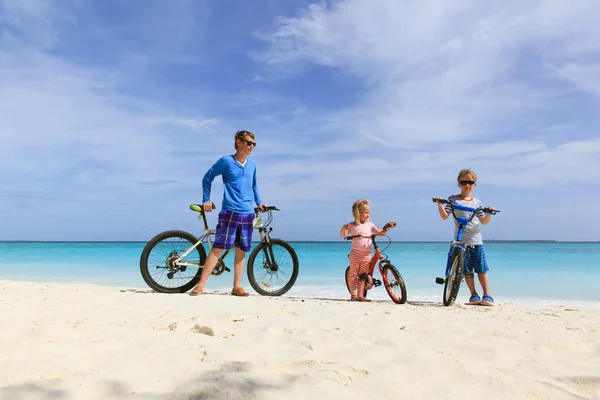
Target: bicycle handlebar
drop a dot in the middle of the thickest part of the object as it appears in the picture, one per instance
(358, 236)
(267, 208)
(385, 228)
(486, 210)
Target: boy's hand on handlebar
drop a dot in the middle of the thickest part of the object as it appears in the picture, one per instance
(491, 210)
(208, 206)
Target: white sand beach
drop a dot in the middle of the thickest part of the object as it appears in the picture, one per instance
(81, 341)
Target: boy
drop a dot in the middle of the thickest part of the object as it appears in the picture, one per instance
(475, 257)
(235, 219)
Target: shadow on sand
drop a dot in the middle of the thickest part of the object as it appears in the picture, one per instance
(232, 382)
(289, 298)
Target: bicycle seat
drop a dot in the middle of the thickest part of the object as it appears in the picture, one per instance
(197, 207)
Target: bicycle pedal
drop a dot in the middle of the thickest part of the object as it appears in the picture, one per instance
(376, 282)
(227, 269)
(440, 281)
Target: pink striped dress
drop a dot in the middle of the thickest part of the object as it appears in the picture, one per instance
(360, 257)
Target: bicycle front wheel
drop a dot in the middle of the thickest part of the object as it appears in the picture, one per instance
(453, 281)
(273, 268)
(157, 263)
(394, 284)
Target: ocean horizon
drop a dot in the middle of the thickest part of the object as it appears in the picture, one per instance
(520, 270)
(314, 241)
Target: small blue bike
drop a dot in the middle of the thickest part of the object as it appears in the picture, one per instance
(456, 256)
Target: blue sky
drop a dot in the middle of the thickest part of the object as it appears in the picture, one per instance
(111, 112)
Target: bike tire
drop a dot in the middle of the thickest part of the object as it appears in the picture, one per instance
(453, 281)
(261, 274)
(348, 283)
(399, 297)
(165, 244)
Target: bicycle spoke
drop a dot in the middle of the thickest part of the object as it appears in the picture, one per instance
(274, 271)
(159, 267)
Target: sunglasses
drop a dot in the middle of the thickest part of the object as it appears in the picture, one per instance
(248, 142)
(465, 183)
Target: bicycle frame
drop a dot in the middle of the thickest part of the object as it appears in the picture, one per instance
(263, 229)
(462, 222)
(377, 259)
(207, 236)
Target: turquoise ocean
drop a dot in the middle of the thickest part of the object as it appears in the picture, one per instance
(519, 271)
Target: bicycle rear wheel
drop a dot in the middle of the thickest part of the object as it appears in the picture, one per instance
(394, 284)
(453, 281)
(347, 275)
(273, 268)
(157, 262)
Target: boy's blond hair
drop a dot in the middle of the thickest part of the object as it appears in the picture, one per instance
(240, 135)
(357, 207)
(467, 172)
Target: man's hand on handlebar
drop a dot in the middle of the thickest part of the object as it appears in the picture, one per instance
(264, 208)
(208, 206)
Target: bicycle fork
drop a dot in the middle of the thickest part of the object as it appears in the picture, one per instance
(454, 245)
(270, 262)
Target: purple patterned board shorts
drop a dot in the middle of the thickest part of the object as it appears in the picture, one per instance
(234, 230)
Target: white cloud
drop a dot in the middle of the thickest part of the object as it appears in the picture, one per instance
(191, 123)
(435, 87)
(443, 78)
(70, 130)
(585, 77)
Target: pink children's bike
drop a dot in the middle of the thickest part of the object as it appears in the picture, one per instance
(392, 280)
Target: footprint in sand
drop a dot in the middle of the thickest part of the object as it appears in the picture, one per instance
(320, 370)
(582, 385)
(205, 330)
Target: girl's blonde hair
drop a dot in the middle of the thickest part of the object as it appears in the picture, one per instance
(357, 207)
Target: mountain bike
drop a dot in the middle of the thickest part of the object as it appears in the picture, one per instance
(455, 265)
(172, 261)
(392, 280)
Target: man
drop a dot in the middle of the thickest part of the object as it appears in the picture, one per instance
(235, 219)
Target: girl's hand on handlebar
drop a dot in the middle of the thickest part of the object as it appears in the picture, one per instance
(437, 199)
(388, 226)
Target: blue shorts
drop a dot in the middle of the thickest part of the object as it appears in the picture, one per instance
(234, 230)
(475, 260)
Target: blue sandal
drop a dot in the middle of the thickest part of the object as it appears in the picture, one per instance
(487, 300)
(474, 299)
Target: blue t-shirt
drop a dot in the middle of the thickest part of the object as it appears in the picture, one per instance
(240, 189)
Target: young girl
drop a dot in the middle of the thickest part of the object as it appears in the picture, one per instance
(360, 254)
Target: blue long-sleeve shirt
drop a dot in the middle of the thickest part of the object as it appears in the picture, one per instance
(240, 189)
